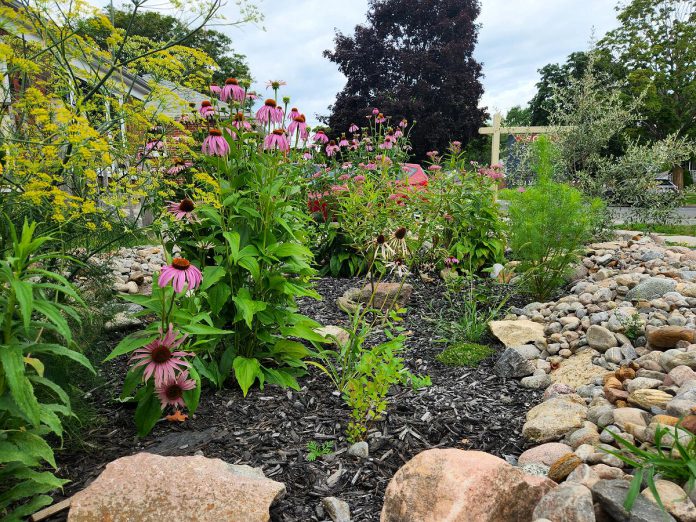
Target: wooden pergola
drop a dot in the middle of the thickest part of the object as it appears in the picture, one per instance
(496, 130)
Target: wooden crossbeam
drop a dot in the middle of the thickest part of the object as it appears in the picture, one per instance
(496, 130)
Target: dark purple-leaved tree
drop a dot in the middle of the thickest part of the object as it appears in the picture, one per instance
(413, 59)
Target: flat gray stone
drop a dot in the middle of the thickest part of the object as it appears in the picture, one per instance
(651, 288)
(611, 495)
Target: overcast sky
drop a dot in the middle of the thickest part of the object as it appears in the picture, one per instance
(517, 37)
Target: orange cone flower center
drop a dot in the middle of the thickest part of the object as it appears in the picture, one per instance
(180, 263)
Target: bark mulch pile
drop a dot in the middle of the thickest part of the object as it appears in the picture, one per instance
(468, 408)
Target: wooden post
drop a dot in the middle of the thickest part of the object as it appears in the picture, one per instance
(495, 148)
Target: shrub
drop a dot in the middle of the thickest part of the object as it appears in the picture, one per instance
(35, 332)
(549, 223)
(464, 354)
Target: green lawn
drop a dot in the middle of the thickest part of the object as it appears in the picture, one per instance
(690, 199)
(680, 230)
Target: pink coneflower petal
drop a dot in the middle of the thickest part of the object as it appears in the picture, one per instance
(180, 272)
(159, 358)
(171, 391)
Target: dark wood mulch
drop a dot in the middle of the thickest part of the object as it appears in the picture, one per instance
(464, 408)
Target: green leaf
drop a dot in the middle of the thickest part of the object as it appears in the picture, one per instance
(211, 275)
(32, 445)
(57, 349)
(130, 383)
(60, 393)
(192, 397)
(291, 348)
(246, 370)
(218, 297)
(12, 360)
(290, 250)
(25, 299)
(281, 378)
(233, 241)
(47, 309)
(252, 265)
(132, 342)
(246, 306)
(148, 412)
(203, 329)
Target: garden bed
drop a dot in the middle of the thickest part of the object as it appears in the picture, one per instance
(468, 408)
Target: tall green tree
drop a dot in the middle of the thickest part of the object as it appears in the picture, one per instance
(555, 75)
(413, 59)
(656, 43)
(159, 28)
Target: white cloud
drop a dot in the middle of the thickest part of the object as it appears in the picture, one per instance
(517, 37)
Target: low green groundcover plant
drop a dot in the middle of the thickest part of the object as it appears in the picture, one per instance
(464, 354)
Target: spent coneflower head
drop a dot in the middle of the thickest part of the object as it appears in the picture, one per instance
(181, 272)
(381, 247)
(398, 242)
(160, 357)
(275, 84)
(171, 392)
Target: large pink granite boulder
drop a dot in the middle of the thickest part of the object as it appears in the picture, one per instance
(461, 486)
(152, 488)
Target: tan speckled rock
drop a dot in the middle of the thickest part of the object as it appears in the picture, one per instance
(647, 398)
(517, 333)
(152, 488)
(578, 370)
(554, 418)
(460, 486)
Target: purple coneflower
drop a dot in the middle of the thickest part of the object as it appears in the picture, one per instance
(375, 111)
(386, 145)
(307, 156)
(332, 148)
(434, 168)
(270, 112)
(252, 96)
(171, 392)
(182, 209)
(294, 113)
(178, 166)
(160, 357)
(398, 134)
(344, 141)
(403, 123)
(380, 118)
(359, 178)
(215, 89)
(344, 177)
(276, 140)
(214, 144)
(180, 272)
(456, 146)
(207, 110)
(240, 122)
(353, 128)
(451, 261)
(233, 90)
(154, 145)
(320, 137)
(520, 189)
(299, 122)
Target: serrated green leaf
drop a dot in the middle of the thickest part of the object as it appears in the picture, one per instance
(22, 391)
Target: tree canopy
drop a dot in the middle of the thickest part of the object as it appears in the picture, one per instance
(656, 43)
(204, 55)
(413, 59)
